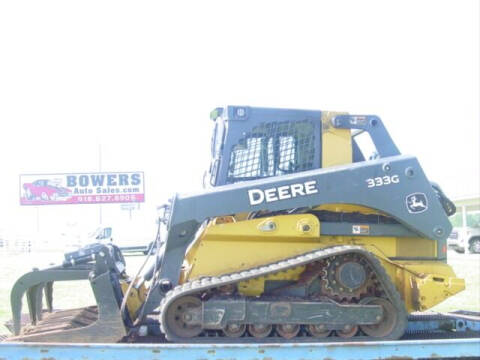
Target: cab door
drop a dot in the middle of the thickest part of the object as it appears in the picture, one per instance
(216, 151)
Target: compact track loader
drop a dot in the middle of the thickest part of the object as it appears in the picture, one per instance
(300, 234)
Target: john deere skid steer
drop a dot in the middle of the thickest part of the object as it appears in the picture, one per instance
(299, 234)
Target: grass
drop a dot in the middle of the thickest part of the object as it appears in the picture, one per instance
(466, 266)
(77, 294)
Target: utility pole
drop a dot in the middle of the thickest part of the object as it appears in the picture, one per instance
(100, 170)
(38, 219)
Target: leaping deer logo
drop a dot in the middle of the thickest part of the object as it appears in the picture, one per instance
(416, 203)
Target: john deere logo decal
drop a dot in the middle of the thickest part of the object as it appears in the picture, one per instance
(417, 203)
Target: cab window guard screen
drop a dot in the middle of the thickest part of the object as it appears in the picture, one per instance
(272, 149)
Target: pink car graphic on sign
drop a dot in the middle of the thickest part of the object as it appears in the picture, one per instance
(45, 190)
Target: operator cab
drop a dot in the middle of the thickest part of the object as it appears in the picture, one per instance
(255, 143)
(251, 143)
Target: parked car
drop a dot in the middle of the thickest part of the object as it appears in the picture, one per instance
(45, 190)
(462, 239)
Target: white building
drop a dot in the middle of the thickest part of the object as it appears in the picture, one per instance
(468, 211)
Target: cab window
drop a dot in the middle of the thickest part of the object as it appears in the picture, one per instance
(273, 149)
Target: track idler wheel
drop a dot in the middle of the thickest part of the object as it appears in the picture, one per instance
(389, 319)
(260, 330)
(234, 330)
(178, 317)
(318, 331)
(288, 331)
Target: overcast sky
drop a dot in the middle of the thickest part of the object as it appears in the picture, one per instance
(140, 78)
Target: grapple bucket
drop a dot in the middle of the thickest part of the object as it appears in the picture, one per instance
(101, 323)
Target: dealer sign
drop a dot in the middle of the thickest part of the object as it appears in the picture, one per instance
(82, 188)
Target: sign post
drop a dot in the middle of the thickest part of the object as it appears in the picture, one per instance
(100, 170)
(129, 207)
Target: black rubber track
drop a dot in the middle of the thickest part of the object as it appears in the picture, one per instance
(203, 284)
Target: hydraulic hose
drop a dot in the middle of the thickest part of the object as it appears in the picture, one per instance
(132, 283)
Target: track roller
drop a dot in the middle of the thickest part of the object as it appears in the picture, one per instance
(288, 331)
(348, 331)
(318, 331)
(234, 330)
(260, 330)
